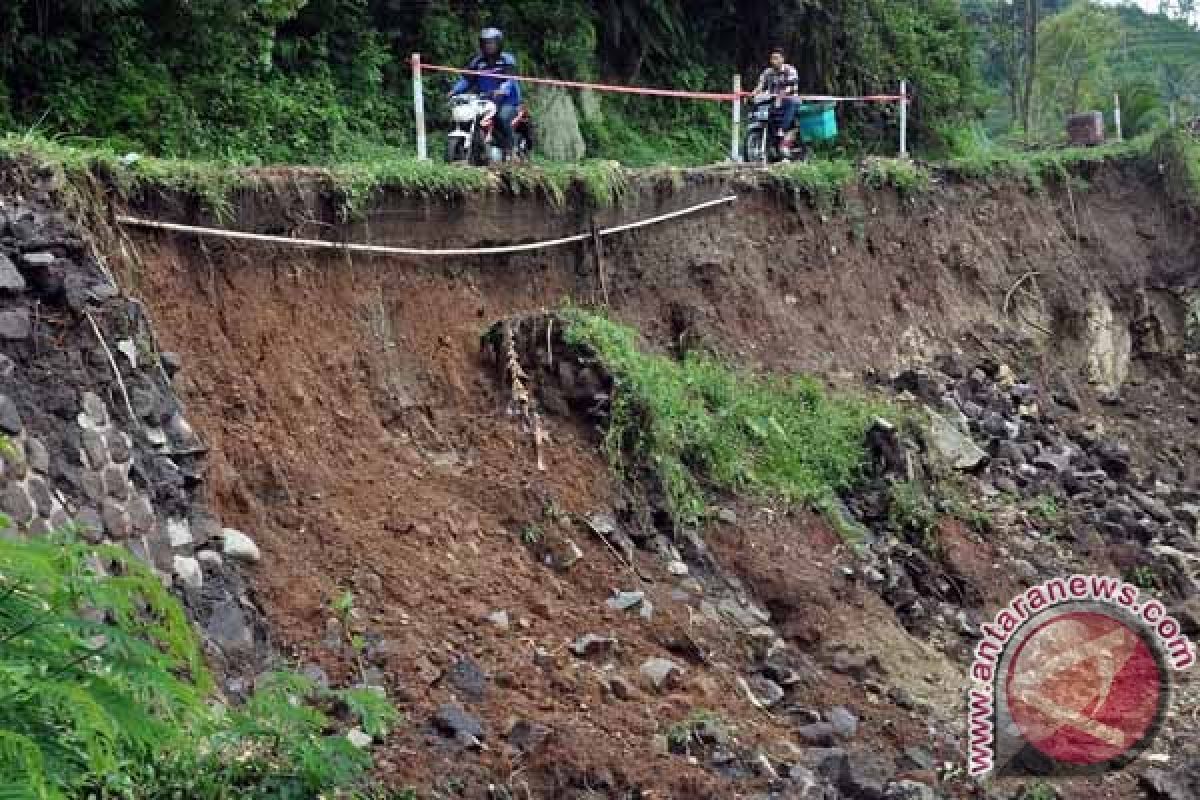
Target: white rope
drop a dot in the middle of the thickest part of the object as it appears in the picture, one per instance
(413, 251)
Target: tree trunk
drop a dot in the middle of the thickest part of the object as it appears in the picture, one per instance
(1032, 12)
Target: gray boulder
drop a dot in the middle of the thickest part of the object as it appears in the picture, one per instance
(558, 135)
(952, 446)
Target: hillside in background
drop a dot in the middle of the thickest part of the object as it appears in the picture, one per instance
(1087, 52)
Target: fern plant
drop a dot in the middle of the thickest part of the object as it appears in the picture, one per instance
(104, 693)
(97, 667)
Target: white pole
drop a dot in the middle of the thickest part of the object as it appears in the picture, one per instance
(1117, 115)
(419, 108)
(736, 146)
(904, 119)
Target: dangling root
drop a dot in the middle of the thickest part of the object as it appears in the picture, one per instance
(521, 398)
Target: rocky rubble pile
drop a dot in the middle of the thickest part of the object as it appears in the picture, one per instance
(1020, 445)
(96, 438)
(1051, 482)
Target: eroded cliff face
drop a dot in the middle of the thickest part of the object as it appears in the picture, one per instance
(337, 410)
(98, 440)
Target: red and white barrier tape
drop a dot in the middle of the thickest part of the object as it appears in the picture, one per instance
(724, 97)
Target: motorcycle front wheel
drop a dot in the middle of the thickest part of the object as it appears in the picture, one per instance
(479, 149)
(456, 150)
(755, 141)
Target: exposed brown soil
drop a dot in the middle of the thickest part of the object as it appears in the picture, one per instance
(356, 432)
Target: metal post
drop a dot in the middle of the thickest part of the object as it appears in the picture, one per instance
(736, 145)
(904, 119)
(419, 107)
(1117, 115)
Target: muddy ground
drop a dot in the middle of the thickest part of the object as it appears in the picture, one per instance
(356, 431)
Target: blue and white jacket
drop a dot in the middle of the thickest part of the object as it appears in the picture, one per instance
(501, 66)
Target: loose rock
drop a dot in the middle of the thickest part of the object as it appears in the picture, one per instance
(591, 645)
(239, 546)
(188, 571)
(660, 674)
(762, 692)
(623, 601)
(10, 417)
(865, 776)
(10, 279)
(909, 790)
(952, 446)
(469, 678)
(844, 722)
(15, 325)
(453, 721)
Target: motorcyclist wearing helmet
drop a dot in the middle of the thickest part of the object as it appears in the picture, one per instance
(782, 80)
(504, 91)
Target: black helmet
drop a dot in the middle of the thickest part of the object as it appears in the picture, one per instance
(491, 35)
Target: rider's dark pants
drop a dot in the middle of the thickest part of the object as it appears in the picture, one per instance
(787, 113)
(505, 115)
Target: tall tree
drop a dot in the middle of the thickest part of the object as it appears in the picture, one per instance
(1032, 13)
(1075, 46)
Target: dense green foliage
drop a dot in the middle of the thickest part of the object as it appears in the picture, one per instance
(1087, 51)
(105, 694)
(320, 81)
(1178, 156)
(697, 424)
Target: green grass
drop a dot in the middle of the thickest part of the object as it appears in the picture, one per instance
(105, 694)
(912, 512)
(907, 177)
(1177, 154)
(597, 183)
(698, 424)
(1036, 167)
(1045, 507)
(821, 181)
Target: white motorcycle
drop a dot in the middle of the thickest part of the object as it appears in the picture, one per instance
(472, 139)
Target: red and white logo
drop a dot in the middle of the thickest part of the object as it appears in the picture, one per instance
(1073, 675)
(1084, 688)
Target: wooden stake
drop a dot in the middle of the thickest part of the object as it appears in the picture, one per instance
(598, 256)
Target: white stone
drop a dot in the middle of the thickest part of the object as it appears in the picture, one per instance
(188, 571)
(239, 546)
(359, 738)
(677, 568)
(211, 559)
(499, 619)
(127, 347)
(179, 532)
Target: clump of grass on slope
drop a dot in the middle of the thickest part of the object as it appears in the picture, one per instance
(1034, 167)
(822, 181)
(907, 177)
(698, 423)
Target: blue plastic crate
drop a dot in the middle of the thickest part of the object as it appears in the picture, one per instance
(818, 122)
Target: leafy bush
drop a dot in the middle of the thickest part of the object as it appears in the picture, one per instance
(697, 423)
(105, 692)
